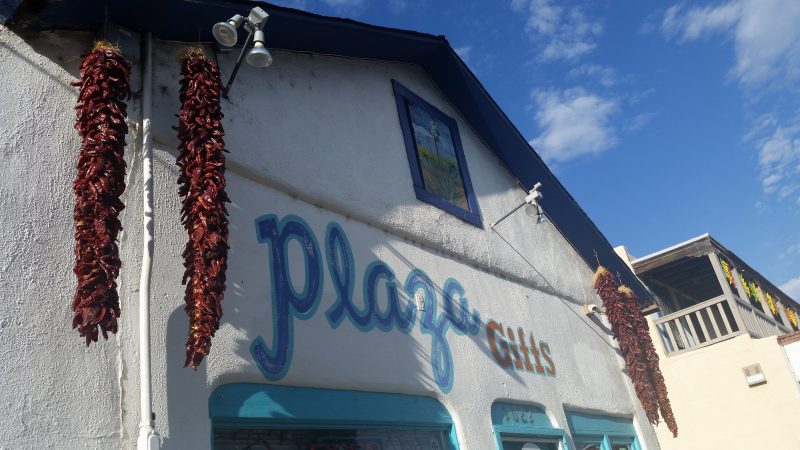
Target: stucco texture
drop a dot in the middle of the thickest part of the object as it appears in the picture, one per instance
(54, 391)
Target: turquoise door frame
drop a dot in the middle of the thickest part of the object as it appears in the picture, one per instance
(251, 405)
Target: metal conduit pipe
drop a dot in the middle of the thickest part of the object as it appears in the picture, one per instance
(148, 436)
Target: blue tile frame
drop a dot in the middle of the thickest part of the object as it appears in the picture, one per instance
(252, 405)
(403, 96)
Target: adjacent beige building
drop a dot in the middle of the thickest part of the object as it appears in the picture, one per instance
(725, 336)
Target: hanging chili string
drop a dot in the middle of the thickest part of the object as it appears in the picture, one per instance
(202, 186)
(630, 329)
(649, 350)
(99, 183)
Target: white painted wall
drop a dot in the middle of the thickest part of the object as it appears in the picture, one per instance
(54, 391)
(313, 136)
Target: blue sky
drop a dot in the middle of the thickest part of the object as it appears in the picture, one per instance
(665, 120)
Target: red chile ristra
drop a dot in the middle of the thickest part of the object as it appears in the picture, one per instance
(99, 183)
(651, 357)
(630, 329)
(202, 186)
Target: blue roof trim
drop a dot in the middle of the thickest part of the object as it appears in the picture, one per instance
(295, 30)
(7, 9)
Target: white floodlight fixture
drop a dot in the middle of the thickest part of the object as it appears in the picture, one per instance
(531, 204)
(256, 19)
(259, 55)
(225, 32)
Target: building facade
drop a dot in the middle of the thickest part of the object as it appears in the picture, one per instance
(368, 305)
(727, 341)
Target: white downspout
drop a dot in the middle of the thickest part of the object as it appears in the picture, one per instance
(148, 436)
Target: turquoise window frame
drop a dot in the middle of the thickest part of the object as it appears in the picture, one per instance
(503, 428)
(608, 429)
(252, 405)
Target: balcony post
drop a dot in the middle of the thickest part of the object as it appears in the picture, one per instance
(775, 323)
(713, 257)
(737, 279)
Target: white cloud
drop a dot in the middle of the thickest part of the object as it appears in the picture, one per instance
(766, 42)
(779, 162)
(343, 3)
(561, 33)
(700, 21)
(604, 75)
(398, 6)
(463, 52)
(518, 5)
(639, 121)
(792, 288)
(573, 123)
(765, 33)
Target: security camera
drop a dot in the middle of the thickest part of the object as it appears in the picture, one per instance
(591, 308)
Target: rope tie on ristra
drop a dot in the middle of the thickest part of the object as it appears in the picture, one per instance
(201, 161)
(631, 331)
(99, 183)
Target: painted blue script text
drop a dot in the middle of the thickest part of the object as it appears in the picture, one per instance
(289, 304)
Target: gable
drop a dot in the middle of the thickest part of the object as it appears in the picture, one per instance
(294, 30)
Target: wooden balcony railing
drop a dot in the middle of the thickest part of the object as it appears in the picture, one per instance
(713, 321)
(759, 324)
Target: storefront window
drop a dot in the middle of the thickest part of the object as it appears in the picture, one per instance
(529, 444)
(589, 444)
(598, 432)
(258, 416)
(519, 426)
(621, 443)
(227, 438)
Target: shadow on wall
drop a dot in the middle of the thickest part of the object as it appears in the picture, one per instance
(51, 47)
(187, 403)
(563, 298)
(313, 353)
(478, 339)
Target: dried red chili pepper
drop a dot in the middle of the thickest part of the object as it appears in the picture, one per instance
(99, 183)
(203, 214)
(651, 357)
(622, 318)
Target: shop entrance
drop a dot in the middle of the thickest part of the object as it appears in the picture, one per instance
(529, 444)
(520, 426)
(227, 438)
(267, 417)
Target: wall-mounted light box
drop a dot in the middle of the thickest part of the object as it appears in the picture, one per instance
(754, 375)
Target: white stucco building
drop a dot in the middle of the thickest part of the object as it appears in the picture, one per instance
(369, 304)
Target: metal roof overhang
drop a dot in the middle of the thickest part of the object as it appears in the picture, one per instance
(677, 259)
(291, 29)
